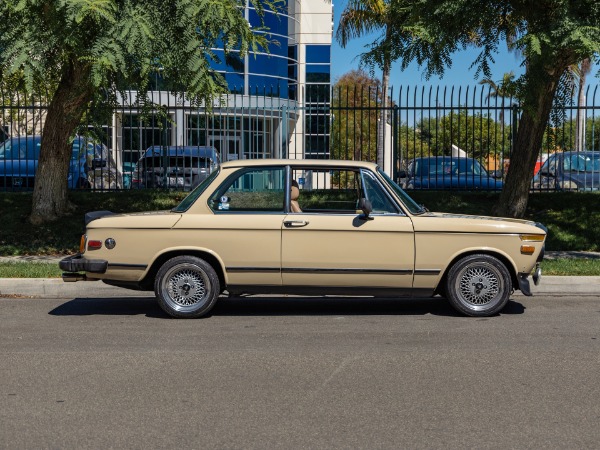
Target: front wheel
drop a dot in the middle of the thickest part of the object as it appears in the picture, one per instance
(478, 285)
(187, 287)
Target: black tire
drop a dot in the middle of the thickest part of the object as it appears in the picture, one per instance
(186, 287)
(478, 285)
(83, 183)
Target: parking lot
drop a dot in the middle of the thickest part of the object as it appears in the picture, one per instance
(274, 372)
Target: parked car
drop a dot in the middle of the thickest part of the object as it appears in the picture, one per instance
(445, 172)
(307, 227)
(129, 169)
(90, 164)
(175, 167)
(570, 171)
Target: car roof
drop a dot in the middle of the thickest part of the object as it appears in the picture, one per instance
(305, 163)
(442, 157)
(575, 152)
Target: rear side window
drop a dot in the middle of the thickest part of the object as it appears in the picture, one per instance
(251, 190)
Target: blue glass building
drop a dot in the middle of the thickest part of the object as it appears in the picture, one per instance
(278, 106)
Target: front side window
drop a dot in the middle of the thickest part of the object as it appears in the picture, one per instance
(327, 190)
(251, 190)
(380, 202)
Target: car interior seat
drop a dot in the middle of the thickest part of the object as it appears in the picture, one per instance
(294, 194)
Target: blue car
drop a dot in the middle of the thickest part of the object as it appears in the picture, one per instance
(445, 172)
(570, 171)
(19, 158)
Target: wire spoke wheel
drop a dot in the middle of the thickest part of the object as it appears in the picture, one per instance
(478, 285)
(186, 286)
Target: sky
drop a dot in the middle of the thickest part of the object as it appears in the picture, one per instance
(460, 74)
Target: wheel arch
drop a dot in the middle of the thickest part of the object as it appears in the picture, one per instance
(210, 258)
(439, 289)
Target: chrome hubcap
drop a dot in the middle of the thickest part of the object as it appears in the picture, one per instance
(479, 285)
(186, 287)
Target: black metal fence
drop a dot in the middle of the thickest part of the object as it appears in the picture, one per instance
(424, 137)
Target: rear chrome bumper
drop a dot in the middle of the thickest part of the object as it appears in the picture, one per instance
(77, 263)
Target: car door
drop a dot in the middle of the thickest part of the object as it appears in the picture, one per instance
(324, 245)
(245, 230)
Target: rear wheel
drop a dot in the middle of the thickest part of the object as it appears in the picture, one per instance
(187, 287)
(478, 285)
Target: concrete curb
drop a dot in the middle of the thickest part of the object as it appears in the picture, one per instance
(56, 288)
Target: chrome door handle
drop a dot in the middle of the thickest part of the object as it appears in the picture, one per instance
(295, 223)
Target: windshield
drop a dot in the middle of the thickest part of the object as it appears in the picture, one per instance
(583, 162)
(439, 167)
(410, 204)
(87, 150)
(20, 148)
(175, 161)
(193, 196)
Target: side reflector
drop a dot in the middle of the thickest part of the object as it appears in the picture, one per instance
(94, 245)
(527, 249)
(82, 243)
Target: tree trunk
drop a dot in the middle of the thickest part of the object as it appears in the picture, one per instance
(64, 114)
(536, 112)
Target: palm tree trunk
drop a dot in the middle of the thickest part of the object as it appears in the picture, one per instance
(383, 115)
(580, 116)
(64, 114)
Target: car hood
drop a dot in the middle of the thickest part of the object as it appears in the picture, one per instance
(143, 220)
(462, 223)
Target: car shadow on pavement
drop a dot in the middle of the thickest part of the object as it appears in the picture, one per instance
(113, 306)
(275, 306)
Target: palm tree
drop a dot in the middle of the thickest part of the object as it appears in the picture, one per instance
(583, 69)
(359, 18)
(502, 89)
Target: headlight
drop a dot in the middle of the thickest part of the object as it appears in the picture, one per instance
(568, 185)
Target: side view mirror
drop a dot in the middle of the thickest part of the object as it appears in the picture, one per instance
(547, 173)
(365, 206)
(98, 163)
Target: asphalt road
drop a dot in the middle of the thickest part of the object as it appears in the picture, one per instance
(299, 373)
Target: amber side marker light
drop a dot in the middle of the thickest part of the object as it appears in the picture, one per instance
(532, 237)
(94, 245)
(527, 249)
(82, 243)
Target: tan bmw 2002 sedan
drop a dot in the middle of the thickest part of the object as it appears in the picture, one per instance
(307, 227)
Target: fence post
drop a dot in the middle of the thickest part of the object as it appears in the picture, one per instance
(284, 132)
(515, 128)
(396, 150)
